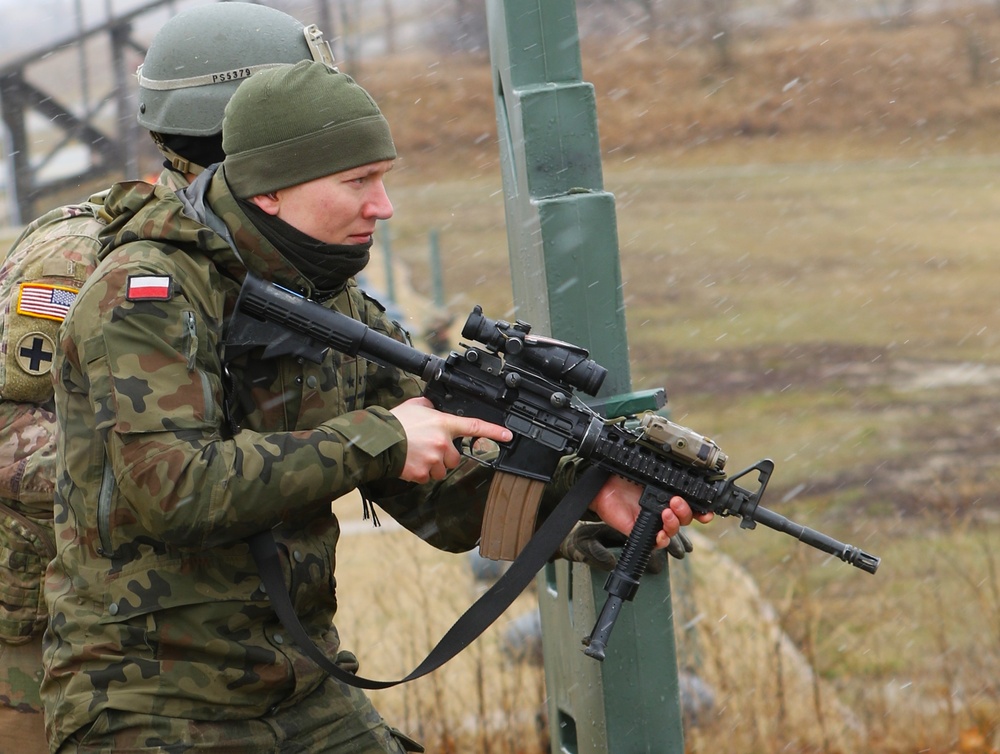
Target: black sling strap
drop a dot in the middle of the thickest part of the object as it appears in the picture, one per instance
(473, 622)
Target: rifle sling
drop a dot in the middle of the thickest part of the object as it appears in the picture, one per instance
(473, 622)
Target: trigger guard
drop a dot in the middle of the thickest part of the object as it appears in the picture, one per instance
(466, 447)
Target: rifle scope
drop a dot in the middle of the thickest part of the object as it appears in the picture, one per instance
(553, 359)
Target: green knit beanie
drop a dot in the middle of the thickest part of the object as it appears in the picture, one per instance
(295, 123)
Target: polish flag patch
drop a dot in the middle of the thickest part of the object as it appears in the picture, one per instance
(148, 288)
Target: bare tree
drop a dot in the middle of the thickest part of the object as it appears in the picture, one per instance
(390, 26)
(464, 28)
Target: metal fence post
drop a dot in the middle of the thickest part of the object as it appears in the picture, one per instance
(562, 239)
(437, 275)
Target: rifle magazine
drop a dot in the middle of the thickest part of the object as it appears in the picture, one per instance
(511, 513)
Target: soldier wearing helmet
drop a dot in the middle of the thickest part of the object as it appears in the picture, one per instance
(174, 450)
(192, 68)
(197, 61)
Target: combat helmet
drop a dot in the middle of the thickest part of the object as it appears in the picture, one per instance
(201, 55)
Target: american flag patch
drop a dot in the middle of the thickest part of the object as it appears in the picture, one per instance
(148, 288)
(46, 301)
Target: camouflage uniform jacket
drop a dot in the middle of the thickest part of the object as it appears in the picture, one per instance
(39, 279)
(155, 601)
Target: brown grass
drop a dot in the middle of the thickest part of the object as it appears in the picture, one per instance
(808, 246)
(859, 86)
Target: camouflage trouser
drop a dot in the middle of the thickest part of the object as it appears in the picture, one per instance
(22, 726)
(334, 719)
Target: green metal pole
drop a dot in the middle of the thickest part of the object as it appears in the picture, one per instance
(390, 277)
(437, 277)
(563, 246)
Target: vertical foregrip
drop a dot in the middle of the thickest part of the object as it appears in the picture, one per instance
(623, 582)
(597, 642)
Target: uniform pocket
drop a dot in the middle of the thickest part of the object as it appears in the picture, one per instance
(26, 548)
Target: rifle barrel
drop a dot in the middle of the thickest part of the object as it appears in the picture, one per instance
(848, 553)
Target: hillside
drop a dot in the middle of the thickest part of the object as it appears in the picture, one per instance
(927, 87)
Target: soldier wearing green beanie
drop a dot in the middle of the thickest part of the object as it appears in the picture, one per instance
(188, 74)
(269, 147)
(161, 634)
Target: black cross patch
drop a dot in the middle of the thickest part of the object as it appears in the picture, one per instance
(35, 352)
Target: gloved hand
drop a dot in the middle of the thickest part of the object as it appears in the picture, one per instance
(680, 545)
(591, 543)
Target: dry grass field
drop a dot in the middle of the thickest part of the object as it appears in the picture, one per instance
(809, 241)
(808, 245)
(837, 317)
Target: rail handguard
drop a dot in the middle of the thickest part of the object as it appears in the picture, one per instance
(527, 383)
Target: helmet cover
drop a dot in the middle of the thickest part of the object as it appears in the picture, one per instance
(199, 57)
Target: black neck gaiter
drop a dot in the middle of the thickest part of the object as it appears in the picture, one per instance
(328, 266)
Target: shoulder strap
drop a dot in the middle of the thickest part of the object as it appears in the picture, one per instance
(473, 622)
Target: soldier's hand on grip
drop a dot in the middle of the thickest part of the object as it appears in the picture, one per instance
(592, 544)
(431, 435)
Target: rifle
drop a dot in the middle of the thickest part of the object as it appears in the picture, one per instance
(528, 383)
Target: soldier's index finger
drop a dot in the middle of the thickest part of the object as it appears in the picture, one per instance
(471, 427)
